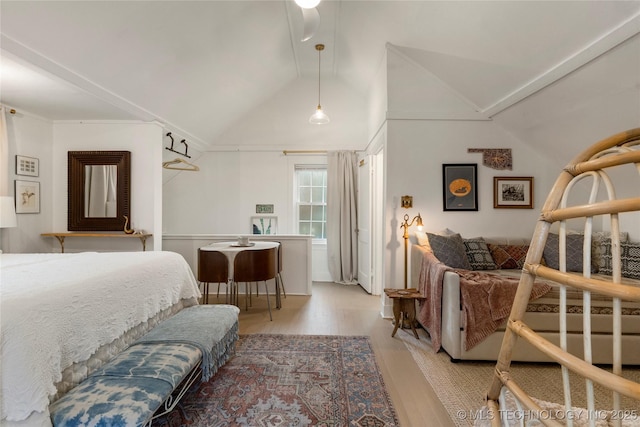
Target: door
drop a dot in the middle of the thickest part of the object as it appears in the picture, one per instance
(365, 175)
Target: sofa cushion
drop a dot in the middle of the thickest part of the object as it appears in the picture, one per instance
(509, 256)
(478, 254)
(629, 259)
(574, 251)
(449, 250)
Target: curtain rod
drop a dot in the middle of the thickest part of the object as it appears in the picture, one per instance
(287, 152)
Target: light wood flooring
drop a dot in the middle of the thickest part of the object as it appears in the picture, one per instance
(348, 310)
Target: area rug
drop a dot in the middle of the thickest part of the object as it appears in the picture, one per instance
(462, 386)
(290, 380)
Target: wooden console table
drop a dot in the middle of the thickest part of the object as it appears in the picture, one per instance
(62, 236)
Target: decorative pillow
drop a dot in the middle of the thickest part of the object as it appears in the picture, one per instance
(551, 251)
(478, 254)
(449, 250)
(629, 259)
(509, 256)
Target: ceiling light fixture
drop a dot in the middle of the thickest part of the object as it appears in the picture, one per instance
(307, 4)
(319, 117)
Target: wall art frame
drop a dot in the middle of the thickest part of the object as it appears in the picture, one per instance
(27, 196)
(460, 187)
(264, 225)
(28, 166)
(513, 192)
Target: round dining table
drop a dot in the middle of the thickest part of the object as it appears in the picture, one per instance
(232, 248)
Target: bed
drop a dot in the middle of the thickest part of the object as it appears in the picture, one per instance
(65, 315)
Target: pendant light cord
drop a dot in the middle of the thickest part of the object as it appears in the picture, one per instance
(319, 48)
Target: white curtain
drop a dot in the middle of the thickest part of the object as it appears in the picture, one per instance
(342, 216)
(100, 187)
(4, 154)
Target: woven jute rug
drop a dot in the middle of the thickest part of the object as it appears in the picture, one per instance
(290, 380)
(462, 386)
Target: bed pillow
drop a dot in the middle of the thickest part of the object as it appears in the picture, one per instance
(508, 256)
(478, 254)
(551, 251)
(629, 259)
(449, 250)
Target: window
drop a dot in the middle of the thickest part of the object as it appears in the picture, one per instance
(311, 200)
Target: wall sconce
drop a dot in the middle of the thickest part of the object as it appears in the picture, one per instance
(406, 224)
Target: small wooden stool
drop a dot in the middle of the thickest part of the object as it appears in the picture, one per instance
(404, 307)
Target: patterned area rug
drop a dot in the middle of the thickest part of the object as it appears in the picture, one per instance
(290, 380)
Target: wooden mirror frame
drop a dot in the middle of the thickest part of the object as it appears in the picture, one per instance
(76, 162)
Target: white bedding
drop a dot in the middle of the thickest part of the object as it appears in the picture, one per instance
(58, 309)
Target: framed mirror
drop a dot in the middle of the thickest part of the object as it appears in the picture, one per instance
(99, 188)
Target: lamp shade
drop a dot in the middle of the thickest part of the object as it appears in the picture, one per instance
(7, 212)
(319, 117)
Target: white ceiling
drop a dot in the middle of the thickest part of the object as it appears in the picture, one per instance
(200, 66)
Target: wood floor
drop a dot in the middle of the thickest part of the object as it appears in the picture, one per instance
(348, 310)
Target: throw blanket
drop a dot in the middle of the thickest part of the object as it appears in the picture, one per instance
(214, 339)
(430, 286)
(486, 300)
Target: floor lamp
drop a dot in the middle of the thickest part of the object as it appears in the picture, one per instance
(406, 224)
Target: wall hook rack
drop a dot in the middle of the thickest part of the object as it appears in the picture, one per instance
(184, 141)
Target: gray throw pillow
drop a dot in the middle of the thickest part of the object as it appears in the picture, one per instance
(478, 254)
(574, 251)
(449, 250)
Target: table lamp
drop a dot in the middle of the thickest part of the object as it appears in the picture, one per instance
(406, 224)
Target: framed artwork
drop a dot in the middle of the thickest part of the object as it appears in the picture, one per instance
(29, 166)
(264, 209)
(513, 192)
(27, 197)
(264, 225)
(459, 187)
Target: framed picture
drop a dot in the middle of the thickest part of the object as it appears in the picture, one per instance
(264, 225)
(27, 197)
(29, 166)
(513, 192)
(459, 187)
(264, 209)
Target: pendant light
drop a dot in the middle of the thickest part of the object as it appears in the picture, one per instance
(319, 117)
(307, 4)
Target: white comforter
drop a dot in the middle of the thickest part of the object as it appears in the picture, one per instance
(58, 309)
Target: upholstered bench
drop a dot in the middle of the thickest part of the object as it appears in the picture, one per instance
(157, 369)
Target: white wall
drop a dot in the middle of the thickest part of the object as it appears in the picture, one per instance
(144, 141)
(221, 197)
(416, 151)
(33, 137)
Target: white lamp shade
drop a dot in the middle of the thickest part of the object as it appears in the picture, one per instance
(307, 4)
(7, 212)
(319, 117)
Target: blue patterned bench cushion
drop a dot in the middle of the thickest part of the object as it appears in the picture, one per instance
(129, 389)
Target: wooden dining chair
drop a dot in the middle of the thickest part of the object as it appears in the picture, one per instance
(280, 282)
(257, 265)
(213, 267)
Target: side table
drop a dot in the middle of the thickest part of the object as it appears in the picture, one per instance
(404, 307)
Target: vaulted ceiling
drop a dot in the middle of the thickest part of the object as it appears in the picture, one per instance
(200, 66)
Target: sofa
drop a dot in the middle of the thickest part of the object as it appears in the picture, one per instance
(441, 261)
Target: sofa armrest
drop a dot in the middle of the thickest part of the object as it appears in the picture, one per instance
(451, 321)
